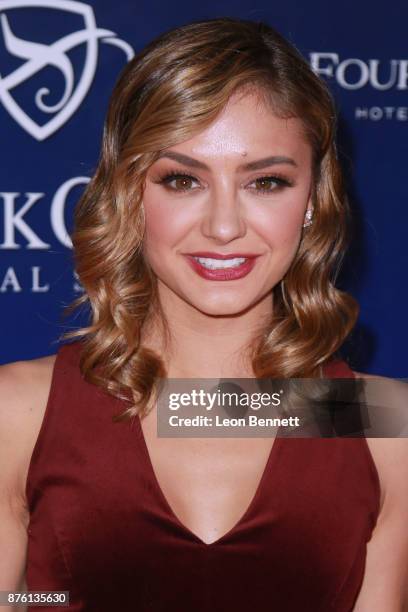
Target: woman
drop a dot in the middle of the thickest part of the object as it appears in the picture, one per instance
(207, 243)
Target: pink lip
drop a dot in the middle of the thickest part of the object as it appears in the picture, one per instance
(221, 256)
(223, 274)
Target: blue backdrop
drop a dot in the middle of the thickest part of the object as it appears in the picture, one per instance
(59, 60)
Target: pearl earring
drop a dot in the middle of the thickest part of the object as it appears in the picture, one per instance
(308, 217)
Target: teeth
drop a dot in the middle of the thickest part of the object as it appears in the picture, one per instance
(215, 264)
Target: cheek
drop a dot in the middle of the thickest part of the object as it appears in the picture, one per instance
(280, 227)
(155, 228)
(166, 224)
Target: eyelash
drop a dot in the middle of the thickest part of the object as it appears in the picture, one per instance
(281, 182)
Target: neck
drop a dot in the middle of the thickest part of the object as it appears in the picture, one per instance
(206, 346)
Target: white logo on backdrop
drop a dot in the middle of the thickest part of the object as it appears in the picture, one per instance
(13, 220)
(353, 73)
(40, 55)
(16, 226)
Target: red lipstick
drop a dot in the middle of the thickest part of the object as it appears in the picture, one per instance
(234, 272)
(212, 255)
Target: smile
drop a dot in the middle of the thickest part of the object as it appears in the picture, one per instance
(222, 267)
(216, 264)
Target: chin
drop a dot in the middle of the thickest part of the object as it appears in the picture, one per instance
(221, 307)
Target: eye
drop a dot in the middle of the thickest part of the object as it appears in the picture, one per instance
(177, 181)
(268, 184)
(181, 182)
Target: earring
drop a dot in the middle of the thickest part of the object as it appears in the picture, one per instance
(308, 217)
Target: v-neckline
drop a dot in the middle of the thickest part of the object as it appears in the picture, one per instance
(229, 533)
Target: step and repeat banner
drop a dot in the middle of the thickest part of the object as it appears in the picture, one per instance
(59, 60)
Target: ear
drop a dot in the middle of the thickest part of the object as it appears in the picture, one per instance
(310, 205)
(308, 218)
(312, 197)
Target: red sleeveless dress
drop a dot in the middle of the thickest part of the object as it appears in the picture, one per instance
(101, 528)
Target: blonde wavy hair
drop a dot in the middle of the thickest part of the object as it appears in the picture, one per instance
(174, 88)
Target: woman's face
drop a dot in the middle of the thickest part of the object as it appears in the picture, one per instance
(224, 210)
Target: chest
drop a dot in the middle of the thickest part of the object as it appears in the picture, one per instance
(102, 525)
(207, 484)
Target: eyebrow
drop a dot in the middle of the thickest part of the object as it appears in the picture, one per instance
(254, 165)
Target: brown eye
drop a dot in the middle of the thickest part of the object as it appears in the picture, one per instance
(176, 181)
(182, 182)
(265, 184)
(269, 184)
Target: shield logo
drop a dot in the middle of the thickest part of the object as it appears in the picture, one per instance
(39, 55)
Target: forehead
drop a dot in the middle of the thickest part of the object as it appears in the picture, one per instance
(247, 127)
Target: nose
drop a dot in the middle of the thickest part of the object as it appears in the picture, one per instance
(224, 217)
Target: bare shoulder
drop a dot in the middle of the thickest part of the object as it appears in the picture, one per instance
(24, 385)
(388, 412)
(24, 390)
